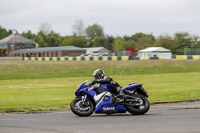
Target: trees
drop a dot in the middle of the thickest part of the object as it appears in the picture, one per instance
(74, 41)
(137, 36)
(41, 40)
(29, 35)
(54, 39)
(4, 33)
(95, 37)
(143, 40)
(118, 44)
(94, 30)
(195, 41)
(45, 28)
(121, 44)
(137, 41)
(79, 28)
(184, 40)
(108, 41)
(96, 42)
(166, 41)
(50, 40)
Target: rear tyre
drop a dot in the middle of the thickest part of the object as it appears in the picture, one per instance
(78, 108)
(139, 108)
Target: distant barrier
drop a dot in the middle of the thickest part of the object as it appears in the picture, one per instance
(187, 57)
(94, 58)
(147, 58)
(11, 58)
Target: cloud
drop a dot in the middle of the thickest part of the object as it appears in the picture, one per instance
(118, 17)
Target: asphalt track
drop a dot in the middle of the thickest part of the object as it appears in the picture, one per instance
(168, 118)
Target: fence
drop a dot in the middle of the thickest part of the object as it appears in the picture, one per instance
(10, 58)
(187, 57)
(94, 58)
(188, 51)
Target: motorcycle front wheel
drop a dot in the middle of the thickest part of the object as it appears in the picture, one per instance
(80, 109)
(139, 108)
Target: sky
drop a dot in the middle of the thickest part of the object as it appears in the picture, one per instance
(117, 17)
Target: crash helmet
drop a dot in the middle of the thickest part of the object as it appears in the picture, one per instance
(98, 74)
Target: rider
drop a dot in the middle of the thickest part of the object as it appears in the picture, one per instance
(101, 78)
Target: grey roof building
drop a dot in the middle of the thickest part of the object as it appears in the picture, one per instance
(17, 45)
(47, 49)
(50, 51)
(14, 38)
(14, 42)
(100, 50)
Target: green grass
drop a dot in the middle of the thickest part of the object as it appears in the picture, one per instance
(39, 86)
(51, 69)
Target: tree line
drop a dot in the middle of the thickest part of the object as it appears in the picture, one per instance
(94, 36)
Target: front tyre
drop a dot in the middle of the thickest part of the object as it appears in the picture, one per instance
(140, 107)
(80, 109)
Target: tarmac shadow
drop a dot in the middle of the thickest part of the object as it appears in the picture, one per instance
(121, 115)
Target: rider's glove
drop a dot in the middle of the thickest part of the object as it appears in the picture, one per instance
(92, 83)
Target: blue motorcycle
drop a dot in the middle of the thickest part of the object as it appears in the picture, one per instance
(102, 99)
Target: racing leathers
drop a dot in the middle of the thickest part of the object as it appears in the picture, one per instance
(107, 80)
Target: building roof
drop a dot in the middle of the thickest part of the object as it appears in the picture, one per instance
(155, 49)
(14, 38)
(46, 49)
(94, 49)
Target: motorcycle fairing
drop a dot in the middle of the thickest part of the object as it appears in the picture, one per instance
(131, 87)
(103, 105)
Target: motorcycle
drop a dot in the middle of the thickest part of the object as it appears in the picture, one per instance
(102, 99)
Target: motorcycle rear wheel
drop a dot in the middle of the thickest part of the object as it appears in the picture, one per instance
(82, 110)
(137, 109)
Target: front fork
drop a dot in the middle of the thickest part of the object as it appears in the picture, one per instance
(83, 99)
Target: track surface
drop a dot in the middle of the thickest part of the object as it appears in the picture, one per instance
(168, 118)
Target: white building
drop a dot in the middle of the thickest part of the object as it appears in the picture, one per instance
(155, 52)
(97, 50)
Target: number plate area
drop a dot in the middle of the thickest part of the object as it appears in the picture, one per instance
(108, 108)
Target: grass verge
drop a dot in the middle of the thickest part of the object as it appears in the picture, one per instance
(44, 69)
(56, 93)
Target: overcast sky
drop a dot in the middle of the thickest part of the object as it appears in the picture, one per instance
(117, 17)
